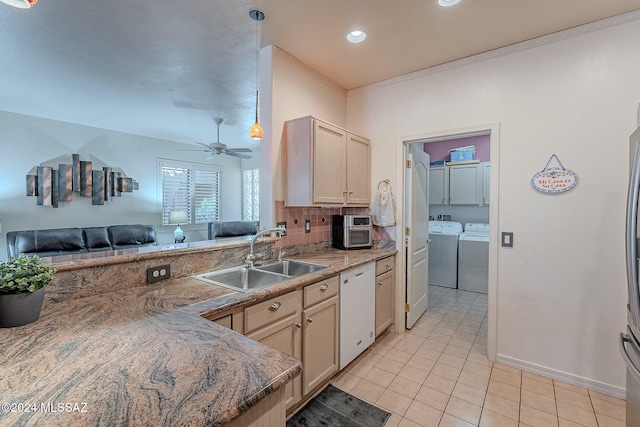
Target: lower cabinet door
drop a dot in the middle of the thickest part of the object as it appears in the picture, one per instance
(320, 343)
(384, 302)
(285, 336)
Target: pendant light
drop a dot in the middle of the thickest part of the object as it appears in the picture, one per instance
(256, 131)
(20, 4)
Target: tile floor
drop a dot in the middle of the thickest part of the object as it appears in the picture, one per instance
(437, 374)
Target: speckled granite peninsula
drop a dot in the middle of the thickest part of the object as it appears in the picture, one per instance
(106, 353)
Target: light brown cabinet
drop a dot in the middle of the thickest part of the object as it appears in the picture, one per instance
(385, 285)
(303, 324)
(276, 322)
(320, 356)
(325, 165)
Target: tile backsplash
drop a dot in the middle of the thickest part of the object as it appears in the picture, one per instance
(320, 223)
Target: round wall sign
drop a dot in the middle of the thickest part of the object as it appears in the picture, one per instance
(554, 180)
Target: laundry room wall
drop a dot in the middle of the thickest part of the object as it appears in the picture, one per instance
(557, 298)
(439, 151)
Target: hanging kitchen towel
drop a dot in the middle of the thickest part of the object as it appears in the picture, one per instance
(383, 209)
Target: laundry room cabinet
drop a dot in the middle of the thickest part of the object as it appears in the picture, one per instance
(438, 185)
(486, 174)
(325, 165)
(466, 184)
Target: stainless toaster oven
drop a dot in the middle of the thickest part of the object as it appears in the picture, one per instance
(352, 231)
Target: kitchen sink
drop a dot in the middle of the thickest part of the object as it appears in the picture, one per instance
(291, 268)
(245, 279)
(242, 279)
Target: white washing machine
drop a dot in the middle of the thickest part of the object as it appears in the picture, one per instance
(473, 258)
(443, 253)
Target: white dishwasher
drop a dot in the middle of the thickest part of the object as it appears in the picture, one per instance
(357, 311)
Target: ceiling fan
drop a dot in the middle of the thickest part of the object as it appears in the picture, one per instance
(217, 148)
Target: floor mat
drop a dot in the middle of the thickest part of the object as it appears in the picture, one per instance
(335, 408)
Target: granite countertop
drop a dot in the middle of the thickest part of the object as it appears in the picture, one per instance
(145, 356)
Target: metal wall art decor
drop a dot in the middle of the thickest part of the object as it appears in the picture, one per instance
(52, 186)
(554, 180)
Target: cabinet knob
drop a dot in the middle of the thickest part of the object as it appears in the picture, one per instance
(350, 192)
(298, 325)
(380, 284)
(309, 319)
(276, 305)
(324, 287)
(388, 265)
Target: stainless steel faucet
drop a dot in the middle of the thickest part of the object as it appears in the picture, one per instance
(252, 257)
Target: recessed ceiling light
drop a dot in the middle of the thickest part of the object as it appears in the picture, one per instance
(447, 3)
(356, 36)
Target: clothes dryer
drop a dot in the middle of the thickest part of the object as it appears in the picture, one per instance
(443, 253)
(473, 258)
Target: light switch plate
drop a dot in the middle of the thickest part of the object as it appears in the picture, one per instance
(507, 239)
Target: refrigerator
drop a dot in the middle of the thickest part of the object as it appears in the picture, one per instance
(630, 339)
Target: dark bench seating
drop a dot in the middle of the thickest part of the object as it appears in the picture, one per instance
(65, 241)
(219, 229)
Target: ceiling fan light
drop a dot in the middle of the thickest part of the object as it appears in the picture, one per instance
(256, 131)
(20, 4)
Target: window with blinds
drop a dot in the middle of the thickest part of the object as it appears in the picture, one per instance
(191, 188)
(251, 195)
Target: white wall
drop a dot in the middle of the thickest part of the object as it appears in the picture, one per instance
(29, 141)
(561, 291)
(296, 91)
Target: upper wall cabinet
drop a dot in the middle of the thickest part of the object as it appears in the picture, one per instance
(325, 165)
(438, 185)
(466, 184)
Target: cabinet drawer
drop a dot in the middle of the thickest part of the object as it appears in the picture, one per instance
(320, 291)
(385, 264)
(271, 310)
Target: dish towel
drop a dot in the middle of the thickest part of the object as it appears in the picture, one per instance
(383, 208)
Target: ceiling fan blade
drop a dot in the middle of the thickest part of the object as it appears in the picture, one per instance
(240, 150)
(203, 144)
(242, 156)
(191, 150)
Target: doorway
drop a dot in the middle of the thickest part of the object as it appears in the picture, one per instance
(403, 144)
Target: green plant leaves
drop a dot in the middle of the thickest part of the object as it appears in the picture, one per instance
(24, 274)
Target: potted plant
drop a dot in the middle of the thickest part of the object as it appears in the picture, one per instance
(22, 282)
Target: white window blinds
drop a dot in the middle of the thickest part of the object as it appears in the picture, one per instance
(191, 188)
(251, 195)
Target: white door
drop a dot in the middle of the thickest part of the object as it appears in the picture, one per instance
(417, 240)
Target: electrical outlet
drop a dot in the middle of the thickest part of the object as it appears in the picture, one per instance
(156, 274)
(307, 226)
(282, 224)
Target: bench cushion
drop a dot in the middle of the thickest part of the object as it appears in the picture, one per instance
(128, 236)
(51, 242)
(232, 228)
(65, 241)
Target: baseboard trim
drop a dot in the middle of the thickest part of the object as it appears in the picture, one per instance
(579, 381)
